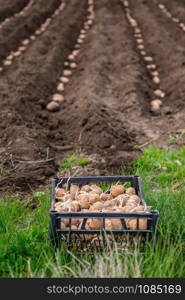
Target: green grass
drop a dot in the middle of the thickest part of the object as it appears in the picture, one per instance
(25, 250)
(72, 161)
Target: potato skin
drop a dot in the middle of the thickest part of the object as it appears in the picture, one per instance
(96, 189)
(86, 188)
(74, 191)
(97, 206)
(59, 192)
(130, 191)
(105, 197)
(117, 190)
(132, 224)
(95, 224)
(113, 224)
(93, 197)
(135, 198)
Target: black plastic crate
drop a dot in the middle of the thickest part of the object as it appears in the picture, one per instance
(80, 237)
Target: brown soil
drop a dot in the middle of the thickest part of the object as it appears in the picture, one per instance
(106, 114)
(21, 28)
(9, 7)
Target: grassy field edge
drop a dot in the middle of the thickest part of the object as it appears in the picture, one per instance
(25, 249)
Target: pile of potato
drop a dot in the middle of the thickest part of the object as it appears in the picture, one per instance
(91, 198)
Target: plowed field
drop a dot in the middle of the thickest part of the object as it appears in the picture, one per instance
(106, 109)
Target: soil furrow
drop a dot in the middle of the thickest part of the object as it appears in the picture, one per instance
(107, 96)
(177, 7)
(36, 74)
(164, 41)
(9, 8)
(22, 12)
(105, 114)
(20, 29)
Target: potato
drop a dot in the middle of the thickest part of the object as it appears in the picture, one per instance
(143, 53)
(110, 209)
(65, 221)
(74, 227)
(75, 221)
(21, 48)
(38, 32)
(96, 189)
(25, 42)
(89, 22)
(95, 224)
(71, 57)
(10, 57)
(82, 36)
(105, 197)
(86, 188)
(139, 41)
(77, 46)
(93, 197)
(83, 200)
(67, 73)
(141, 47)
(117, 190)
(108, 224)
(151, 67)
(132, 224)
(73, 65)
(113, 224)
(60, 87)
(138, 35)
(66, 197)
(74, 191)
(133, 22)
(130, 191)
(139, 208)
(57, 206)
(80, 41)
(16, 54)
(64, 79)
(75, 206)
(107, 204)
(59, 192)
(156, 80)
(82, 196)
(121, 199)
(137, 30)
(58, 98)
(131, 203)
(68, 206)
(155, 73)
(155, 105)
(159, 93)
(113, 202)
(82, 31)
(84, 204)
(135, 198)
(148, 58)
(7, 62)
(62, 225)
(97, 206)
